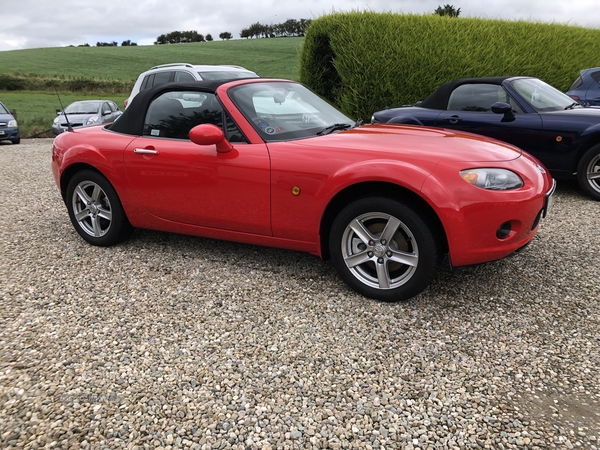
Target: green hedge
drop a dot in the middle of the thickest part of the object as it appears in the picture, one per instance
(364, 61)
(10, 82)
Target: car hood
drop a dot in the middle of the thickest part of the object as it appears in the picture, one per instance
(6, 117)
(77, 117)
(591, 112)
(408, 141)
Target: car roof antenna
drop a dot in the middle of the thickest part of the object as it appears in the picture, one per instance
(69, 127)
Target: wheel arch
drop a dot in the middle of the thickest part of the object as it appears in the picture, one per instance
(70, 171)
(378, 189)
(589, 143)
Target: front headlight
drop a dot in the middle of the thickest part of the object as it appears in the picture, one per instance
(494, 179)
(92, 120)
(12, 123)
(55, 121)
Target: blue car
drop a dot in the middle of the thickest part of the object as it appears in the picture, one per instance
(9, 130)
(562, 133)
(586, 87)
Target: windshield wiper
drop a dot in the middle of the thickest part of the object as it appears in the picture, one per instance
(339, 126)
(334, 127)
(573, 105)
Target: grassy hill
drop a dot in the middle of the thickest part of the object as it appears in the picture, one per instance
(268, 57)
(36, 108)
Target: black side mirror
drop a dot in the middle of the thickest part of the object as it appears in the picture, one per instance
(503, 108)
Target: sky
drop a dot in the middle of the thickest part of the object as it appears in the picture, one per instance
(45, 23)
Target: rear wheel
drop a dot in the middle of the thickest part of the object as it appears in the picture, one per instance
(383, 249)
(588, 172)
(95, 209)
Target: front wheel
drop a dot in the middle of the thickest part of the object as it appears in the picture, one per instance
(95, 209)
(16, 141)
(383, 249)
(588, 172)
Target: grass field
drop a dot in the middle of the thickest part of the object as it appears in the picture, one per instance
(36, 109)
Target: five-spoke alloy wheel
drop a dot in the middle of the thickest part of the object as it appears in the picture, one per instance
(95, 209)
(383, 249)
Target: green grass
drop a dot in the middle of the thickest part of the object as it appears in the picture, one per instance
(277, 58)
(268, 57)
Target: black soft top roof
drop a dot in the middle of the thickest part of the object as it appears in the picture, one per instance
(439, 98)
(132, 120)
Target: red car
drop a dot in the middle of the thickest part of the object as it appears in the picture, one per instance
(268, 162)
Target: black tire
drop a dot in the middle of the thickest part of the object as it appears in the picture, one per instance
(16, 141)
(588, 172)
(95, 210)
(388, 269)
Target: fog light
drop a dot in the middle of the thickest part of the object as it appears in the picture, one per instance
(503, 230)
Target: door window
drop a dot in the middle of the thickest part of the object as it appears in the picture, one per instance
(479, 98)
(183, 76)
(174, 114)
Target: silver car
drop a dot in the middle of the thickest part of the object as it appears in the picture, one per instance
(85, 113)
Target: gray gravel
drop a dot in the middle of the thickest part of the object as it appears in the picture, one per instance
(177, 342)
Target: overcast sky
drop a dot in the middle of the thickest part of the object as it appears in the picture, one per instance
(44, 23)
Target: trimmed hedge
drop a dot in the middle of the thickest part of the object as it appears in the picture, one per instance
(9, 82)
(364, 61)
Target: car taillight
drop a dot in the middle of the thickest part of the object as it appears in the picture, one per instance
(575, 97)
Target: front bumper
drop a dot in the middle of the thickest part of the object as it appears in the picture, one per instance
(9, 133)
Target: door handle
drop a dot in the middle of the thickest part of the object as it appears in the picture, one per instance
(145, 151)
(453, 119)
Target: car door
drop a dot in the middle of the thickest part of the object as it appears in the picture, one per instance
(180, 181)
(470, 109)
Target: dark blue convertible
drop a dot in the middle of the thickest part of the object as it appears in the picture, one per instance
(563, 134)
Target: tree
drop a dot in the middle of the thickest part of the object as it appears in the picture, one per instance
(209, 38)
(127, 43)
(225, 35)
(447, 10)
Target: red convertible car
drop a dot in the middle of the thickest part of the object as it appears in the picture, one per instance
(268, 162)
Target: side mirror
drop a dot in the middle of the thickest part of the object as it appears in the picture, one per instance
(208, 134)
(503, 108)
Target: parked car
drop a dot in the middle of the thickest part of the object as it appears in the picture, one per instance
(9, 129)
(523, 111)
(182, 72)
(85, 113)
(586, 88)
(268, 162)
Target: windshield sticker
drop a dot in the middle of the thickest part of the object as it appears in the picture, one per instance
(278, 130)
(262, 124)
(305, 118)
(270, 130)
(154, 132)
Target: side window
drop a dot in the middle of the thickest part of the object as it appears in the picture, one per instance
(183, 76)
(174, 114)
(105, 108)
(577, 83)
(147, 83)
(478, 97)
(161, 77)
(596, 77)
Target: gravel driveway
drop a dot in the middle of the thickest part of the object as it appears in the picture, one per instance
(176, 342)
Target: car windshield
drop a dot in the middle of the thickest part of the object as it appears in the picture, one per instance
(541, 96)
(226, 75)
(82, 108)
(3, 110)
(282, 111)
